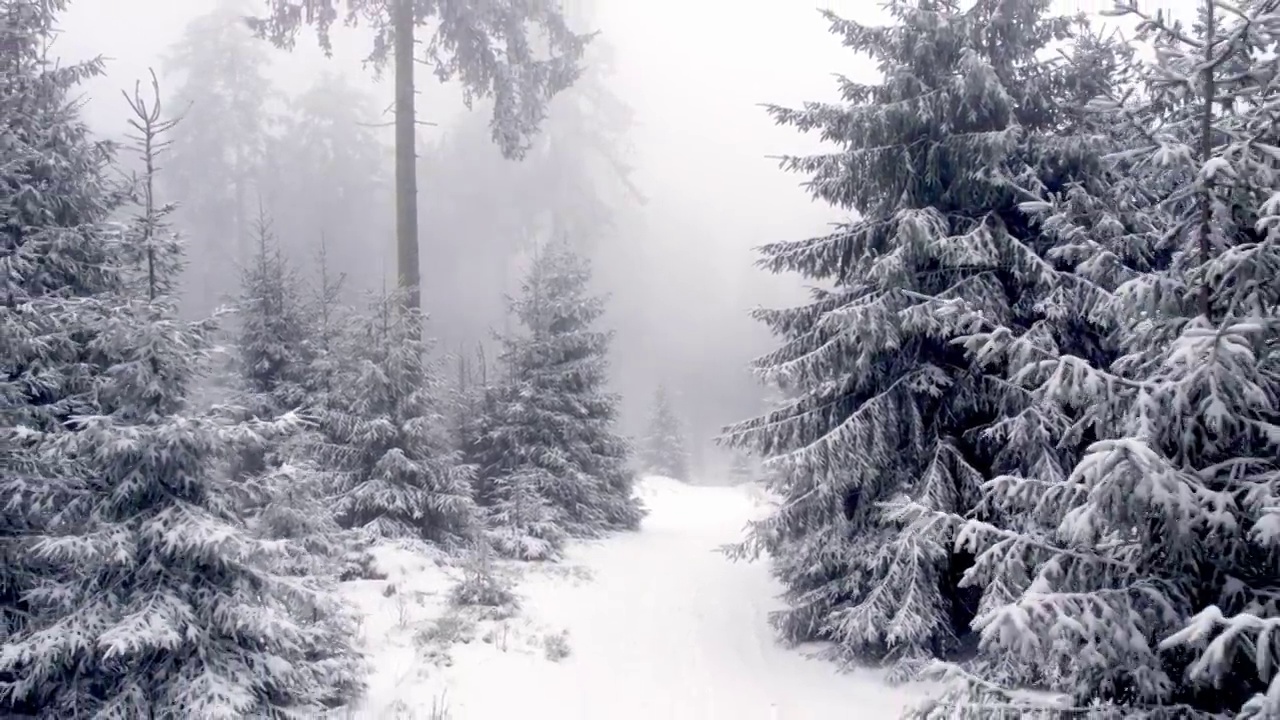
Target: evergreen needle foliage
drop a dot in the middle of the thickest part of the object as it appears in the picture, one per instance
(132, 587)
(398, 475)
(968, 122)
(1034, 410)
(550, 463)
(273, 342)
(1141, 581)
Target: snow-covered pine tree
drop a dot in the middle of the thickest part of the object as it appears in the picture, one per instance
(149, 597)
(387, 437)
(51, 244)
(664, 443)
(54, 260)
(273, 342)
(966, 124)
(157, 603)
(297, 490)
(288, 343)
(274, 329)
(523, 524)
(1149, 570)
(548, 434)
(331, 321)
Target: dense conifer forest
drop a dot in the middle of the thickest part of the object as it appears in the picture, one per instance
(1021, 441)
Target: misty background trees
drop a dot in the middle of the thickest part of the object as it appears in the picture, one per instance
(664, 449)
(465, 191)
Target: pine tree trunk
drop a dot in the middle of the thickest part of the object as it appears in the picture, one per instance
(406, 157)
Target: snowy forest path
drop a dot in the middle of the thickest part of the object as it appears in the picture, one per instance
(664, 628)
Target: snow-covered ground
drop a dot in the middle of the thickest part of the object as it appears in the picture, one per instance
(658, 625)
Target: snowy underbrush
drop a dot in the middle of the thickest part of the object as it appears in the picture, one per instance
(945, 689)
(428, 607)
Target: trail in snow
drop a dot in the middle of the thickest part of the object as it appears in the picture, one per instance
(666, 629)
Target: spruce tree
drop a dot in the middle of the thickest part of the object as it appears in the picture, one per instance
(55, 260)
(387, 439)
(158, 602)
(273, 330)
(156, 255)
(288, 347)
(304, 475)
(1146, 571)
(523, 523)
(273, 341)
(51, 243)
(550, 461)
(664, 445)
(147, 597)
(331, 321)
(968, 122)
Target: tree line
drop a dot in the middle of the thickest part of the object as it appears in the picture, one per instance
(1030, 441)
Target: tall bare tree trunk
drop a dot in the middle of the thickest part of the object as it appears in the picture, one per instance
(406, 158)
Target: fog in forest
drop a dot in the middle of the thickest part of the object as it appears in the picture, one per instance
(657, 163)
